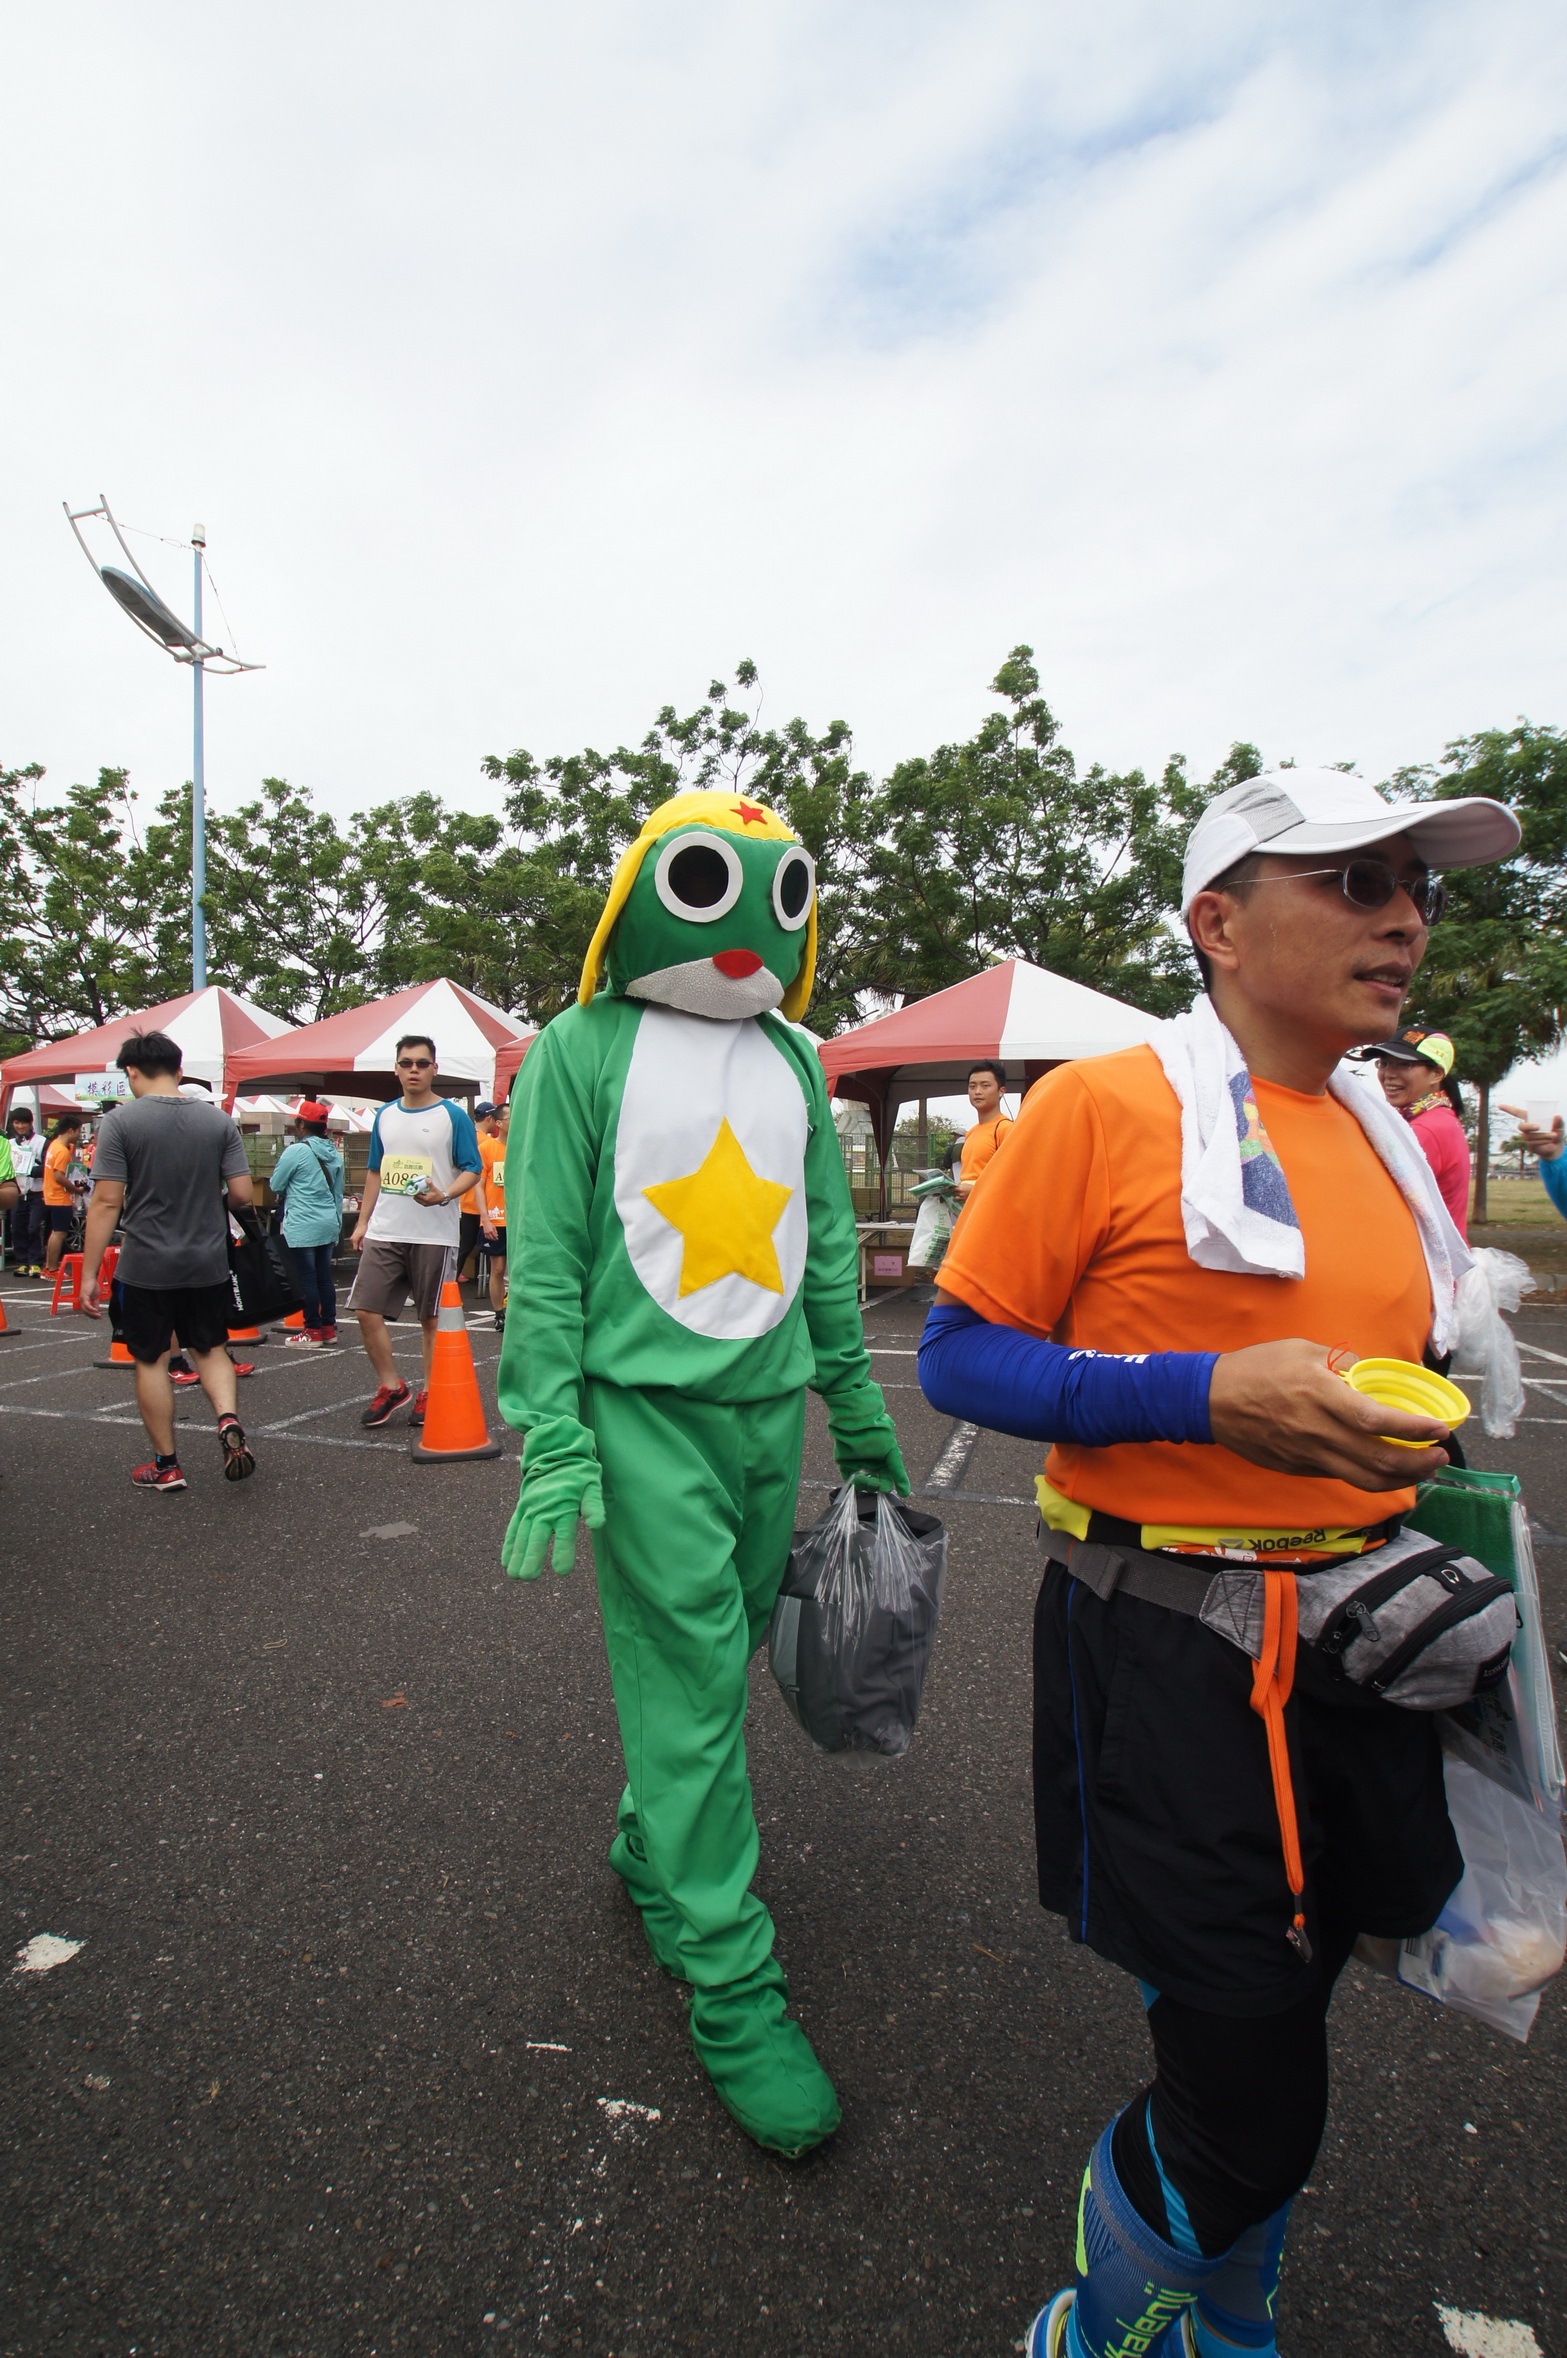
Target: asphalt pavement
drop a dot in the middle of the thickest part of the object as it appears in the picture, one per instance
(362, 2049)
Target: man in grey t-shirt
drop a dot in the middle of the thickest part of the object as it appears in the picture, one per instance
(160, 1171)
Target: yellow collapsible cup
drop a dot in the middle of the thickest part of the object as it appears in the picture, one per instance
(1419, 1391)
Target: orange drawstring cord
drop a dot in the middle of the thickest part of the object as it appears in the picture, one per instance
(1272, 1679)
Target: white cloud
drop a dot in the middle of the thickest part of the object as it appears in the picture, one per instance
(528, 365)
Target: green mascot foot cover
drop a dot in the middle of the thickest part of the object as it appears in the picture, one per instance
(683, 1265)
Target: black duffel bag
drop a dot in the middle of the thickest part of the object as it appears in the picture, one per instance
(261, 1272)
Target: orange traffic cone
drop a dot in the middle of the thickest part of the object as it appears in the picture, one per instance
(6, 1328)
(454, 1425)
(244, 1334)
(119, 1355)
(293, 1324)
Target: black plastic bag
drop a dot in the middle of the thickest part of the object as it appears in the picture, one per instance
(852, 1632)
(261, 1272)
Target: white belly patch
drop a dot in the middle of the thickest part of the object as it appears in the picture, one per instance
(710, 1173)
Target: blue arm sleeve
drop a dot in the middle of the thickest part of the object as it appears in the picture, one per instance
(373, 1158)
(1012, 1383)
(1554, 1173)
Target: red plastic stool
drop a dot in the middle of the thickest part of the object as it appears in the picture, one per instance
(70, 1269)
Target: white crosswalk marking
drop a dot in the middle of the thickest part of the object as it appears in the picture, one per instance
(1479, 2336)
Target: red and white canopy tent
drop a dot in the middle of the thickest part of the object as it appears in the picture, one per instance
(351, 1055)
(1021, 1016)
(508, 1063)
(209, 1025)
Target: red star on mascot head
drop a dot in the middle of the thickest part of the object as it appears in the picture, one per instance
(751, 812)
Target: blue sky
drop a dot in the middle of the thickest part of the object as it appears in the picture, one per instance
(529, 366)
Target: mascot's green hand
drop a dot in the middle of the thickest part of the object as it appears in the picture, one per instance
(547, 1514)
(877, 1473)
(864, 1441)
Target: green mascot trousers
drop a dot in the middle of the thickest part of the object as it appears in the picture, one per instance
(699, 1504)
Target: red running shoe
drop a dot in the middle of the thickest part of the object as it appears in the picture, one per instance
(421, 1403)
(152, 1476)
(183, 1377)
(386, 1403)
(244, 1367)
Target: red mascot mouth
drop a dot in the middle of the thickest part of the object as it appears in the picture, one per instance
(737, 964)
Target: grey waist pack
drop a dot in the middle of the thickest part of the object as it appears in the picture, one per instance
(1412, 1622)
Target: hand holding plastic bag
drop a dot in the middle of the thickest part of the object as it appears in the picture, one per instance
(865, 1440)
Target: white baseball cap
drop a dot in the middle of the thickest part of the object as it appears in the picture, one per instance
(1296, 811)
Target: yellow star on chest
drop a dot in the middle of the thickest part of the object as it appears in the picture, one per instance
(726, 1214)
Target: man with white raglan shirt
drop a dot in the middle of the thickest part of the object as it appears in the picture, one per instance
(424, 1158)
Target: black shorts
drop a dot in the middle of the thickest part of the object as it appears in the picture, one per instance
(1154, 1815)
(61, 1218)
(468, 1238)
(151, 1315)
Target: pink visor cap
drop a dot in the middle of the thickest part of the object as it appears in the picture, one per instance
(1299, 811)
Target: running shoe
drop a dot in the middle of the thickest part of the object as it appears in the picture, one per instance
(386, 1403)
(237, 1460)
(306, 1340)
(1047, 2334)
(152, 1476)
(421, 1403)
(244, 1367)
(326, 1334)
(183, 1377)
(500, 1322)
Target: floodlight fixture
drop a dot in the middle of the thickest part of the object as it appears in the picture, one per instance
(134, 594)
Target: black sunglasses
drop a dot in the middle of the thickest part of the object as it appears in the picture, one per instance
(1371, 884)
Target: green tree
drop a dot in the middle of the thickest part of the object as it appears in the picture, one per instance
(999, 848)
(1495, 971)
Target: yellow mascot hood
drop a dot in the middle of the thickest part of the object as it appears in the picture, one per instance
(731, 814)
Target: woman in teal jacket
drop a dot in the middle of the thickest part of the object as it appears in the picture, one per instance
(308, 1176)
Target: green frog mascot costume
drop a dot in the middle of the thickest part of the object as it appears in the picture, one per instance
(683, 1265)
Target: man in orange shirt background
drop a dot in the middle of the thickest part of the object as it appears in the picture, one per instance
(62, 1194)
(990, 1125)
(1180, 1248)
(491, 1191)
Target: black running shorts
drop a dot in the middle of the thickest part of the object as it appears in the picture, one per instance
(1154, 1814)
(151, 1315)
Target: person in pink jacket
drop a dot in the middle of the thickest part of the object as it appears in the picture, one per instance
(1416, 1070)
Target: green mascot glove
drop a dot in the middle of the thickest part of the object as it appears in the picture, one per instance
(551, 1501)
(864, 1441)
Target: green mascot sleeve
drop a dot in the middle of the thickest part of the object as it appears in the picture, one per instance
(551, 1156)
(864, 1441)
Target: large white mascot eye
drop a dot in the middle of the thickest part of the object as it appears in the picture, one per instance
(794, 888)
(698, 877)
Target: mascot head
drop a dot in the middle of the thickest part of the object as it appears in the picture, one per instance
(713, 911)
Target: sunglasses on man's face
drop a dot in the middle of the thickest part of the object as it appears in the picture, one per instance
(414, 1064)
(1371, 884)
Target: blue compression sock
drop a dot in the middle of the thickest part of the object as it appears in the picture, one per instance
(1235, 2306)
(1132, 2286)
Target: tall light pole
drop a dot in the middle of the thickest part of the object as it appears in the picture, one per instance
(198, 790)
(135, 595)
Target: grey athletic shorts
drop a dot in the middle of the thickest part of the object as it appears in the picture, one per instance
(389, 1272)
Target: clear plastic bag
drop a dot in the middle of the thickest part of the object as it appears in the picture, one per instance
(1502, 1935)
(1484, 1348)
(853, 1630)
(932, 1233)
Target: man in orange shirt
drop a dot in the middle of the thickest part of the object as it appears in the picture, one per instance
(491, 1192)
(1180, 1346)
(989, 1127)
(61, 1198)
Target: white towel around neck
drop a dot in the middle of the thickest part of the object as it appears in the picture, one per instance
(1235, 1199)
